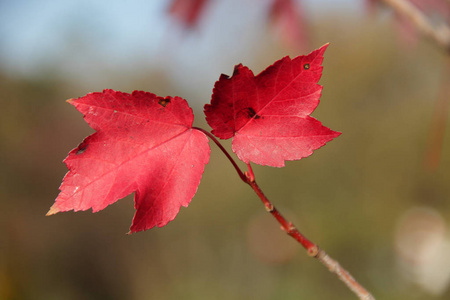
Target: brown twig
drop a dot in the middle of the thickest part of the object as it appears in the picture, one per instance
(440, 34)
(312, 249)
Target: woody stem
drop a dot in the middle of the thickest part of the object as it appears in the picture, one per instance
(312, 249)
(286, 226)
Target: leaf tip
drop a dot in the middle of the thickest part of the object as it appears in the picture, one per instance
(335, 134)
(53, 210)
(323, 48)
(237, 69)
(70, 100)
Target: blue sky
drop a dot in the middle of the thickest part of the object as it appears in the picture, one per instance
(36, 32)
(83, 38)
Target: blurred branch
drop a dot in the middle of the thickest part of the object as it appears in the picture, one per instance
(438, 122)
(440, 34)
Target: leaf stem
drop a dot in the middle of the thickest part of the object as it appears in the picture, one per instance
(286, 226)
(312, 249)
(213, 138)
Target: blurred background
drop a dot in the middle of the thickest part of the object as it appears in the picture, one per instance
(375, 199)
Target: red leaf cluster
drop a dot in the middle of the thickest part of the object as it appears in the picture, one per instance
(146, 144)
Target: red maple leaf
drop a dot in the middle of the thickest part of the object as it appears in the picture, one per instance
(268, 115)
(144, 144)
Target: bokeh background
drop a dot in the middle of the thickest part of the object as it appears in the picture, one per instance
(370, 198)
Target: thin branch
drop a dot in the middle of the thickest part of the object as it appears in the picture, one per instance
(286, 226)
(312, 249)
(440, 34)
(343, 275)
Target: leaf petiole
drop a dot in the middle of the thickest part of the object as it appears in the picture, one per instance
(213, 138)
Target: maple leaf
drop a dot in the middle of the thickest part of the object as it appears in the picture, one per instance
(143, 144)
(268, 115)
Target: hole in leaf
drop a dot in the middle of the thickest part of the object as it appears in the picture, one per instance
(306, 66)
(163, 102)
(252, 113)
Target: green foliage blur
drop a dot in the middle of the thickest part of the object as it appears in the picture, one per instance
(350, 197)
